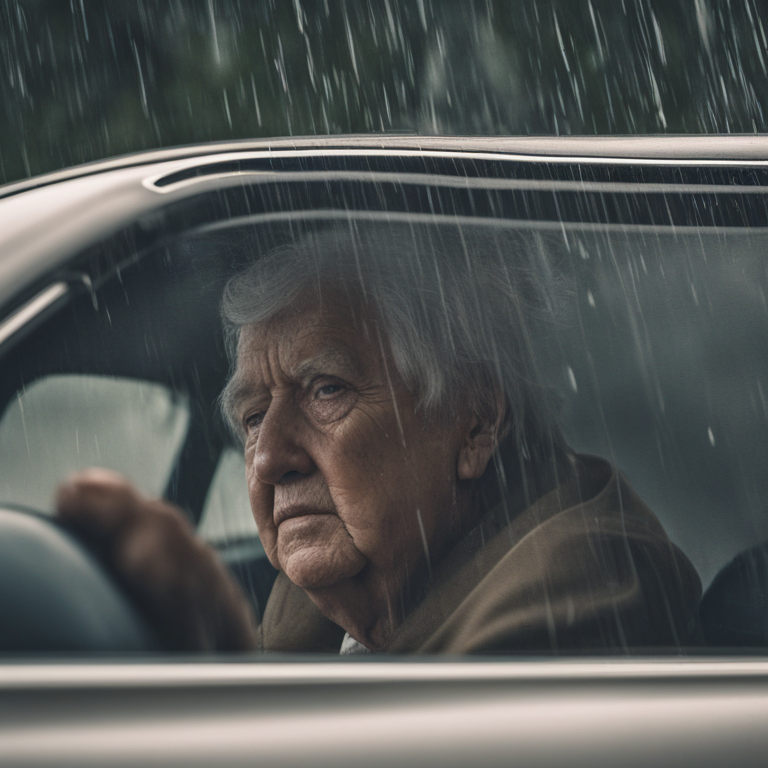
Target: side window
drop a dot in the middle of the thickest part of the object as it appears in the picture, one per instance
(64, 423)
(664, 368)
(227, 515)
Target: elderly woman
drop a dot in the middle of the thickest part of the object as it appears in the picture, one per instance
(405, 468)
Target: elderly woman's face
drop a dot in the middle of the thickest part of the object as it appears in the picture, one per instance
(345, 478)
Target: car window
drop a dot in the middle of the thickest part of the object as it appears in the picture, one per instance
(64, 423)
(662, 365)
(567, 389)
(227, 515)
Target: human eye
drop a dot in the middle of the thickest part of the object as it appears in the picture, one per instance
(329, 399)
(252, 421)
(328, 390)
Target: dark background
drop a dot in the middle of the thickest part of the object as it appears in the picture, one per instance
(85, 79)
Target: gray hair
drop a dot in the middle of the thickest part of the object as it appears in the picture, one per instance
(460, 307)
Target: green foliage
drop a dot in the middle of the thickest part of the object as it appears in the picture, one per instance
(82, 80)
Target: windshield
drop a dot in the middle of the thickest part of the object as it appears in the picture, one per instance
(83, 82)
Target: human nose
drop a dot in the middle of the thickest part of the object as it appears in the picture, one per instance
(280, 456)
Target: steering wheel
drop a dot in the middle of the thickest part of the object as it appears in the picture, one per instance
(55, 597)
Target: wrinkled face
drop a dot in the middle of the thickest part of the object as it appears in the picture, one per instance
(344, 477)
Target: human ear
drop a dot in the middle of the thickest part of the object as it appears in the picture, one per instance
(483, 434)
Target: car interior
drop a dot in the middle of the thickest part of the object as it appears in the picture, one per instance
(658, 351)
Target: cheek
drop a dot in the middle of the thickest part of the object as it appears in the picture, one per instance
(390, 483)
(369, 478)
(354, 466)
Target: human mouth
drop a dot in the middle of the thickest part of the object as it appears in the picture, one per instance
(297, 510)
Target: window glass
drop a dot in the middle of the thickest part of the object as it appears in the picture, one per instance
(227, 515)
(658, 355)
(662, 364)
(655, 346)
(64, 423)
(547, 342)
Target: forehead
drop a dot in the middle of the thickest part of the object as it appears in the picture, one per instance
(331, 332)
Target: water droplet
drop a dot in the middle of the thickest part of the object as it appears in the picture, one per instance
(572, 379)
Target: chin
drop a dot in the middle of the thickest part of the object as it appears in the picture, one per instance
(316, 568)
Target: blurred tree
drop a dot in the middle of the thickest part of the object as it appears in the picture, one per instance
(82, 80)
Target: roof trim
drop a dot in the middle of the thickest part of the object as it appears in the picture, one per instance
(737, 148)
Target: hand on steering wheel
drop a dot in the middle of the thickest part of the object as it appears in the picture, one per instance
(176, 580)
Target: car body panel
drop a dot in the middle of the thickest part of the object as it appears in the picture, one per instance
(527, 712)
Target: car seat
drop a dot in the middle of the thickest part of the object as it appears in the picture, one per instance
(734, 610)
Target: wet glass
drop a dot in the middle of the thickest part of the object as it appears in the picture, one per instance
(646, 325)
(62, 424)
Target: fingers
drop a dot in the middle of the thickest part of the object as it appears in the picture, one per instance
(176, 580)
(103, 500)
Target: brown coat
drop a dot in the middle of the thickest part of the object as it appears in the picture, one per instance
(586, 567)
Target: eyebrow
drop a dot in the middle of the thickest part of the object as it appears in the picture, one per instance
(328, 359)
